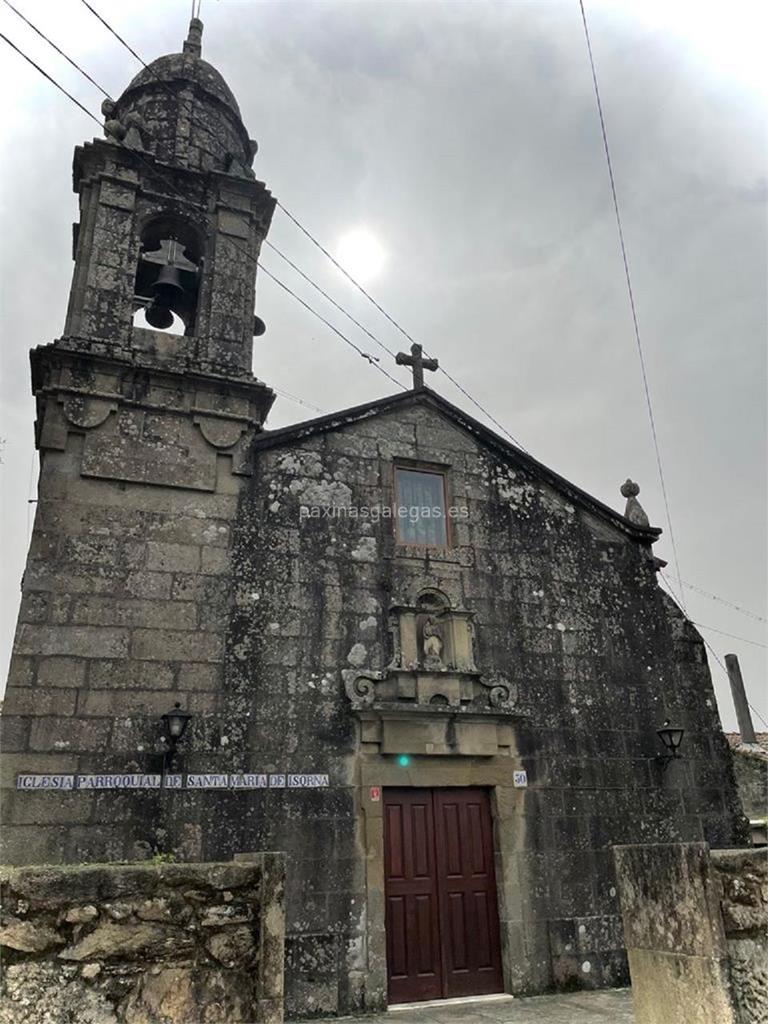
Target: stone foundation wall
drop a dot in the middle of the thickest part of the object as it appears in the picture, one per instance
(143, 944)
(696, 929)
(742, 881)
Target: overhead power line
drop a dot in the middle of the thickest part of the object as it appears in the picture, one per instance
(51, 80)
(297, 400)
(365, 355)
(325, 251)
(155, 170)
(733, 636)
(394, 322)
(713, 629)
(714, 654)
(371, 359)
(625, 260)
(721, 600)
(109, 28)
(56, 48)
(325, 295)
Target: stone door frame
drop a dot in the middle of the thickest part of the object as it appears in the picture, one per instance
(491, 773)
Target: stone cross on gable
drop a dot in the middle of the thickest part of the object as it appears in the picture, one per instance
(418, 362)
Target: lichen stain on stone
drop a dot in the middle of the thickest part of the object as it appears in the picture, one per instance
(364, 550)
(357, 655)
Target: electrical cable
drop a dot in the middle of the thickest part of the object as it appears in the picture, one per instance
(713, 629)
(721, 600)
(630, 291)
(57, 48)
(109, 28)
(713, 652)
(328, 297)
(370, 359)
(297, 400)
(394, 322)
(51, 80)
(733, 636)
(322, 248)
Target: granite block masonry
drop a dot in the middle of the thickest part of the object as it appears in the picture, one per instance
(143, 944)
(182, 553)
(696, 927)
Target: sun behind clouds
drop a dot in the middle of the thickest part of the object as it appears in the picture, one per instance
(361, 254)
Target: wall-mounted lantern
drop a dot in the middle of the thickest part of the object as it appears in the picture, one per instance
(671, 737)
(175, 724)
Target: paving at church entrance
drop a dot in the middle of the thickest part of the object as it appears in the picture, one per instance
(612, 1006)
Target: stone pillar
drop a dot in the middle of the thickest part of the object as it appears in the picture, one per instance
(743, 716)
(696, 929)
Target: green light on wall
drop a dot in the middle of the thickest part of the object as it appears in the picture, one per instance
(403, 760)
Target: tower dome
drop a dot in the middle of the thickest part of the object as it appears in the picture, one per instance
(185, 111)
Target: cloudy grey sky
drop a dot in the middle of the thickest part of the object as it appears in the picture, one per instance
(464, 137)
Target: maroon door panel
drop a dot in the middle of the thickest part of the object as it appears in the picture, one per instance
(469, 919)
(413, 938)
(441, 913)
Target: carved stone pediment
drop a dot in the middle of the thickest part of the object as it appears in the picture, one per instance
(433, 664)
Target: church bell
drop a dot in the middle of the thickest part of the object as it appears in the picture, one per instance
(167, 290)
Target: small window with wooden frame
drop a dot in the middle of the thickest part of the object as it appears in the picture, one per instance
(421, 506)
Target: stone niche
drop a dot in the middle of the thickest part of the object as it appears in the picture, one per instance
(432, 698)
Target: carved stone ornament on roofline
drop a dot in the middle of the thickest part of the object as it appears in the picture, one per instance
(636, 514)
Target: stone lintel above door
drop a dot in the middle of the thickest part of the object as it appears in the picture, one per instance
(439, 732)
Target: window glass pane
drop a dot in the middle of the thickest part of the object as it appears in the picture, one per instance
(420, 513)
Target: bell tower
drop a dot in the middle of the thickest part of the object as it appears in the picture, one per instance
(171, 219)
(145, 439)
(171, 223)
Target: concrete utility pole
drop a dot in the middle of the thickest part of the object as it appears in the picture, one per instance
(743, 715)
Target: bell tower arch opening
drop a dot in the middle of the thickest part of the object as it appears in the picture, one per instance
(168, 275)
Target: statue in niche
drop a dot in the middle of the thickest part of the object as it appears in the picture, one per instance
(432, 644)
(432, 664)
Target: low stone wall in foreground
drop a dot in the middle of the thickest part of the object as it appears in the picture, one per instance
(696, 929)
(143, 943)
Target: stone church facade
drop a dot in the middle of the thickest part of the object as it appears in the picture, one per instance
(445, 721)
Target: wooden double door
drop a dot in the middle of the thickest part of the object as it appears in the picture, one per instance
(442, 918)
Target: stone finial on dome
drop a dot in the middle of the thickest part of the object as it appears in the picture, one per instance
(193, 44)
(634, 511)
(190, 117)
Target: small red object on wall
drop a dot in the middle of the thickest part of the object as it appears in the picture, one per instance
(375, 794)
